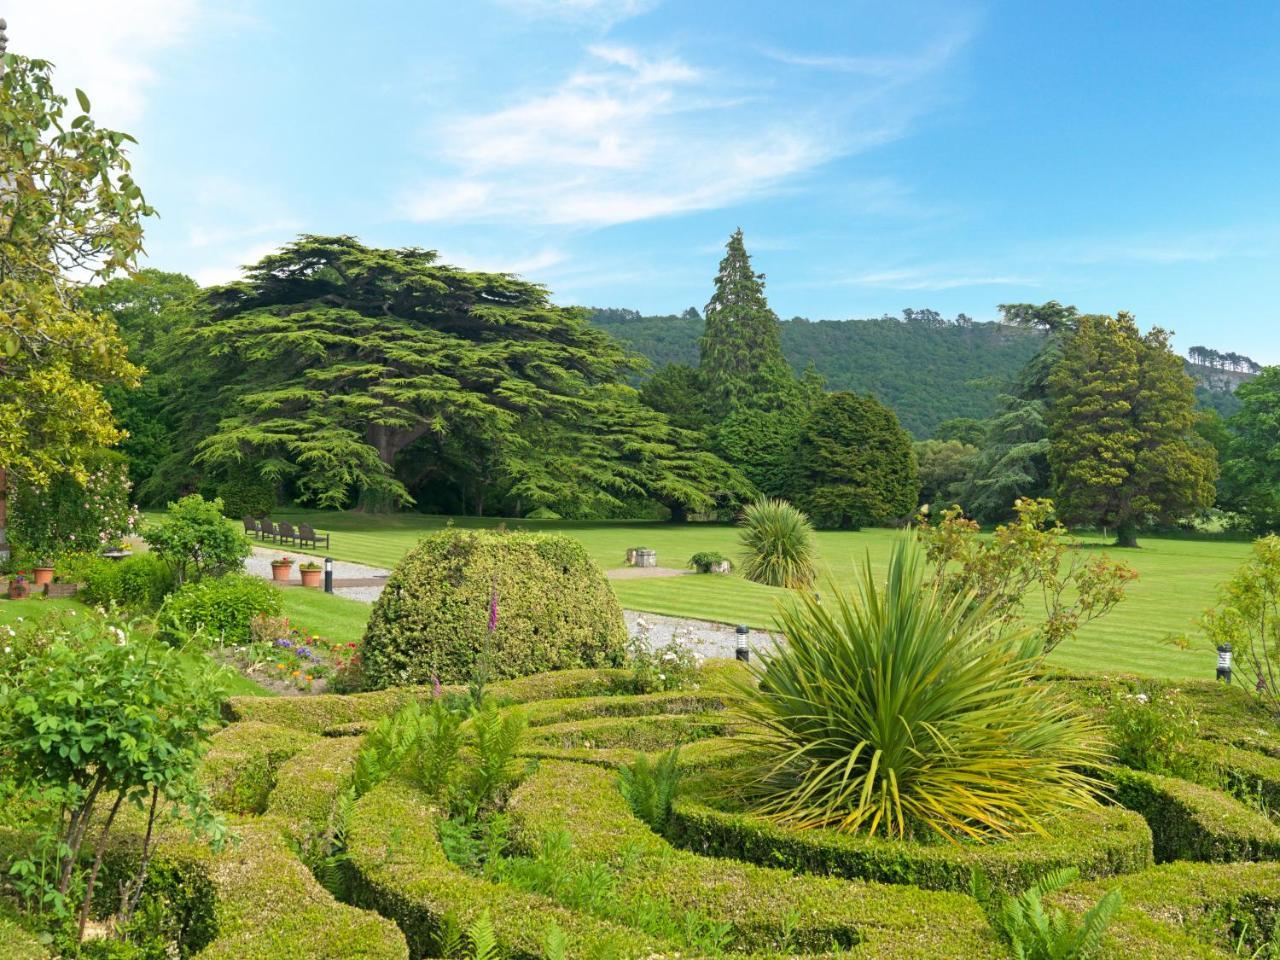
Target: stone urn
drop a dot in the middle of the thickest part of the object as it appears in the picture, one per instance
(646, 558)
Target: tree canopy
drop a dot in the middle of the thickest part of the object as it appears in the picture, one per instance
(331, 360)
(1122, 441)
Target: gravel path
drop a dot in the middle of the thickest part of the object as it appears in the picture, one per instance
(706, 638)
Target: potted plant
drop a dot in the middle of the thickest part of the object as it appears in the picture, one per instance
(710, 562)
(310, 573)
(19, 589)
(281, 569)
(43, 573)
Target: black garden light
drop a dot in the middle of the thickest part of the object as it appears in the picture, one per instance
(1224, 662)
(328, 574)
(742, 653)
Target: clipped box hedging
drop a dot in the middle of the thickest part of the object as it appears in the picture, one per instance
(647, 733)
(556, 610)
(1186, 911)
(1193, 822)
(240, 766)
(769, 909)
(398, 868)
(308, 784)
(576, 709)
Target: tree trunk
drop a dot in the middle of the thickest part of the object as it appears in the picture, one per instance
(679, 512)
(4, 513)
(1126, 534)
(388, 441)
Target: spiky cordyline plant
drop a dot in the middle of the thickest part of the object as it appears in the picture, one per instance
(777, 542)
(901, 710)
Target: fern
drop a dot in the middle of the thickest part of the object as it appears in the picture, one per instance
(495, 739)
(1036, 933)
(555, 943)
(385, 748)
(650, 788)
(449, 942)
(438, 751)
(484, 943)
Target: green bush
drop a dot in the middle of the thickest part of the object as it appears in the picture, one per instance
(196, 541)
(554, 610)
(221, 607)
(778, 545)
(137, 583)
(242, 763)
(66, 515)
(246, 493)
(905, 710)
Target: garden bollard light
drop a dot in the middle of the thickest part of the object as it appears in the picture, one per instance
(742, 653)
(1224, 662)
(328, 574)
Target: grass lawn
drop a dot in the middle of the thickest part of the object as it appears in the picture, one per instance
(37, 607)
(1178, 580)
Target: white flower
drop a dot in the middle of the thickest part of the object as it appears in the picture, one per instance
(668, 655)
(1142, 698)
(8, 649)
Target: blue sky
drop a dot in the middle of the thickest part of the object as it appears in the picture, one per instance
(878, 156)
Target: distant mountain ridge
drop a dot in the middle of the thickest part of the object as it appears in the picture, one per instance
(926, 368)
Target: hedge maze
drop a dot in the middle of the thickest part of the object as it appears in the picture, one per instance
(583, 877)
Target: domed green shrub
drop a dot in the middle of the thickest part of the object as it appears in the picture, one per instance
(555, 610)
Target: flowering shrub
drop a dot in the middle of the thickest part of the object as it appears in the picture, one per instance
(66, 516)
(670, 666)
(1155, 731)
(219, 608)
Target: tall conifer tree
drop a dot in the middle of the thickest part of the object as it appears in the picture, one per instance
(741, 346)
(1122, 440)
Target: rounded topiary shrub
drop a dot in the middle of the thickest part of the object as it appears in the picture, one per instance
(555, 610)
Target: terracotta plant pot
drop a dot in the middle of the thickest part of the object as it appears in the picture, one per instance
(281, 572)
(311, 578)
(43, 575)
(19, 591)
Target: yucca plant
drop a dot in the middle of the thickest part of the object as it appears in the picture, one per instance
(901, 710)
(778, 546)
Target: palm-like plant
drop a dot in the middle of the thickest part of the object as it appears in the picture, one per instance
(778, 547)
(902, 710)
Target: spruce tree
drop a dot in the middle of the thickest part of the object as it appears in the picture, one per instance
(1122, 442)
(741, 346)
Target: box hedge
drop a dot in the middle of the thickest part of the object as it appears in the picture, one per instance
(768, 908)
(241, 764)
(399, 869)
(555, 610)
(1194, 822)
(307, 786)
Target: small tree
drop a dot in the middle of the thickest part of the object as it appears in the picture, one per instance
(1248, 618)
(1030, 553)
(92, 719)
(854, 464)
(196, 541)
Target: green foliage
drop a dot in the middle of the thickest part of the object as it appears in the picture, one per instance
(217, 609)
(854, 464)
(1250, 473)
(680, 392)
(1248, 618)
(246, 493)
(1037, 933)
(555, 610)
(740, 353)
(72, 212)
(882, 356)
(945, 469)
(660, 667)
(762, 444)
(964, 430)
(494, 741)
(1122, 441)
(905, 710)
(71, 514)
(1156, 730)
(138, 583)
(1013, 462)
(704, 560)
(650, 787)
(195, 540)
(1029, 555)
(778, 545)
(95, 719)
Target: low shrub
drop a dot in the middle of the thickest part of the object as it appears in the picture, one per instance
(1193, 822)
(504, 604)
(243, 759)
(138, 583)
(778, 546)
(1155, 729)
(221, 609)
(195, 540)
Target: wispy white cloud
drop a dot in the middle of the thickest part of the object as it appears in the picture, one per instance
(930, 278)
(104, 48)
(602, 12)
(628, 137)
(895, 67)
(1174, 247)
(525, 264)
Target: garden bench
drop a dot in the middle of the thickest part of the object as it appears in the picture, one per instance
(307, 536)
(285, 531)
(267, 529)
(252, 527)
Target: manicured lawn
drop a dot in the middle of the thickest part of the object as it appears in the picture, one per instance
(36, 608)
(328, 615)
(1178, 580)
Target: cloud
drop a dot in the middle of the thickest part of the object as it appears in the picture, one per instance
(229, 269)
(104, 48)
(630, 137)
(491, 263)
(896, 67)
(931, 279)
(1172, 247)
(601, 12)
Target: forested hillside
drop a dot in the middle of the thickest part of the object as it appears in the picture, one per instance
(926, 371)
